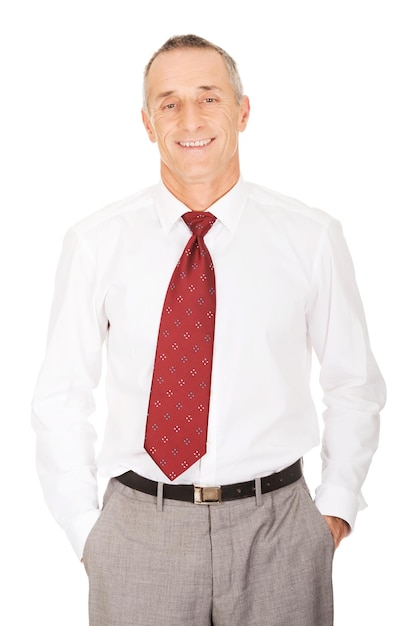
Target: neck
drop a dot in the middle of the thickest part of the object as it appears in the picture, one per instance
(199, 195)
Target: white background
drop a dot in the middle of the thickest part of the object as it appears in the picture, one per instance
(333, 87)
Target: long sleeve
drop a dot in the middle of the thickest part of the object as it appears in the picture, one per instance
(63, 398)
(354, 391)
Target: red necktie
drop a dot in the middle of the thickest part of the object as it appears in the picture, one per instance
(177, 420)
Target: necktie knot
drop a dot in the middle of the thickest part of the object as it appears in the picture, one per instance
(199, 223)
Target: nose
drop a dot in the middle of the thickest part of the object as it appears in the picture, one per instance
(191, 118)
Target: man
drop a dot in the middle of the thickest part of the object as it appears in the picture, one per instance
(206, 518)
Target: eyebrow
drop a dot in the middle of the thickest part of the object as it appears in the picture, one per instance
(166, 94)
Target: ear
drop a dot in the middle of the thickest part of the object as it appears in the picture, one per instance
(244, 114)
(148, 126)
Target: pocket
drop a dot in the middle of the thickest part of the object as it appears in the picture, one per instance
(317, 518)
(96, 529)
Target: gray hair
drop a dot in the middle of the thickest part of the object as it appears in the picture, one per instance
(180, 42)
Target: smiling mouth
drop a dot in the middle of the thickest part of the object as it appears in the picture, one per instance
(200, 143)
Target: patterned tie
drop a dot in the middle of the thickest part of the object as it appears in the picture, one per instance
(177, 420)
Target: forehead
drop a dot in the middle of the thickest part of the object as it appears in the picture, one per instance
(189, 67)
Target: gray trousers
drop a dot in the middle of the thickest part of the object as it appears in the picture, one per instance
(252, 562)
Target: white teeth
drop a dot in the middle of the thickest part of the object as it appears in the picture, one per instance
(194, 144)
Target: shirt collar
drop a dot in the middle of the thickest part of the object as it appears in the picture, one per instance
(227, 210)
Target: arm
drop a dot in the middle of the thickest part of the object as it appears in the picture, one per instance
(63, 398)
(354, 391)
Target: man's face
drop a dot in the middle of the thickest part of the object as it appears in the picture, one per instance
(194, 117)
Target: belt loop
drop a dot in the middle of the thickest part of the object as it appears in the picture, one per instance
(160, 489)
(258, 495)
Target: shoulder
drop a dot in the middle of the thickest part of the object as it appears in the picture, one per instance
(113, 213)
(280, 206)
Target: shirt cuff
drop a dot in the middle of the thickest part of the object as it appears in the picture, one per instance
(79, 529)
(339, 502)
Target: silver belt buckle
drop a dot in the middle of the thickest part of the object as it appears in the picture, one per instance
(207, 495)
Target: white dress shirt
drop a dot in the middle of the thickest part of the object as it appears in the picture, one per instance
(285, 284)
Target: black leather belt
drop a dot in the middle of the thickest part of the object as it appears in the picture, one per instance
(211, 495)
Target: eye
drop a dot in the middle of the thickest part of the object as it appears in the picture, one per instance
(209, 100)
(170, 105)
